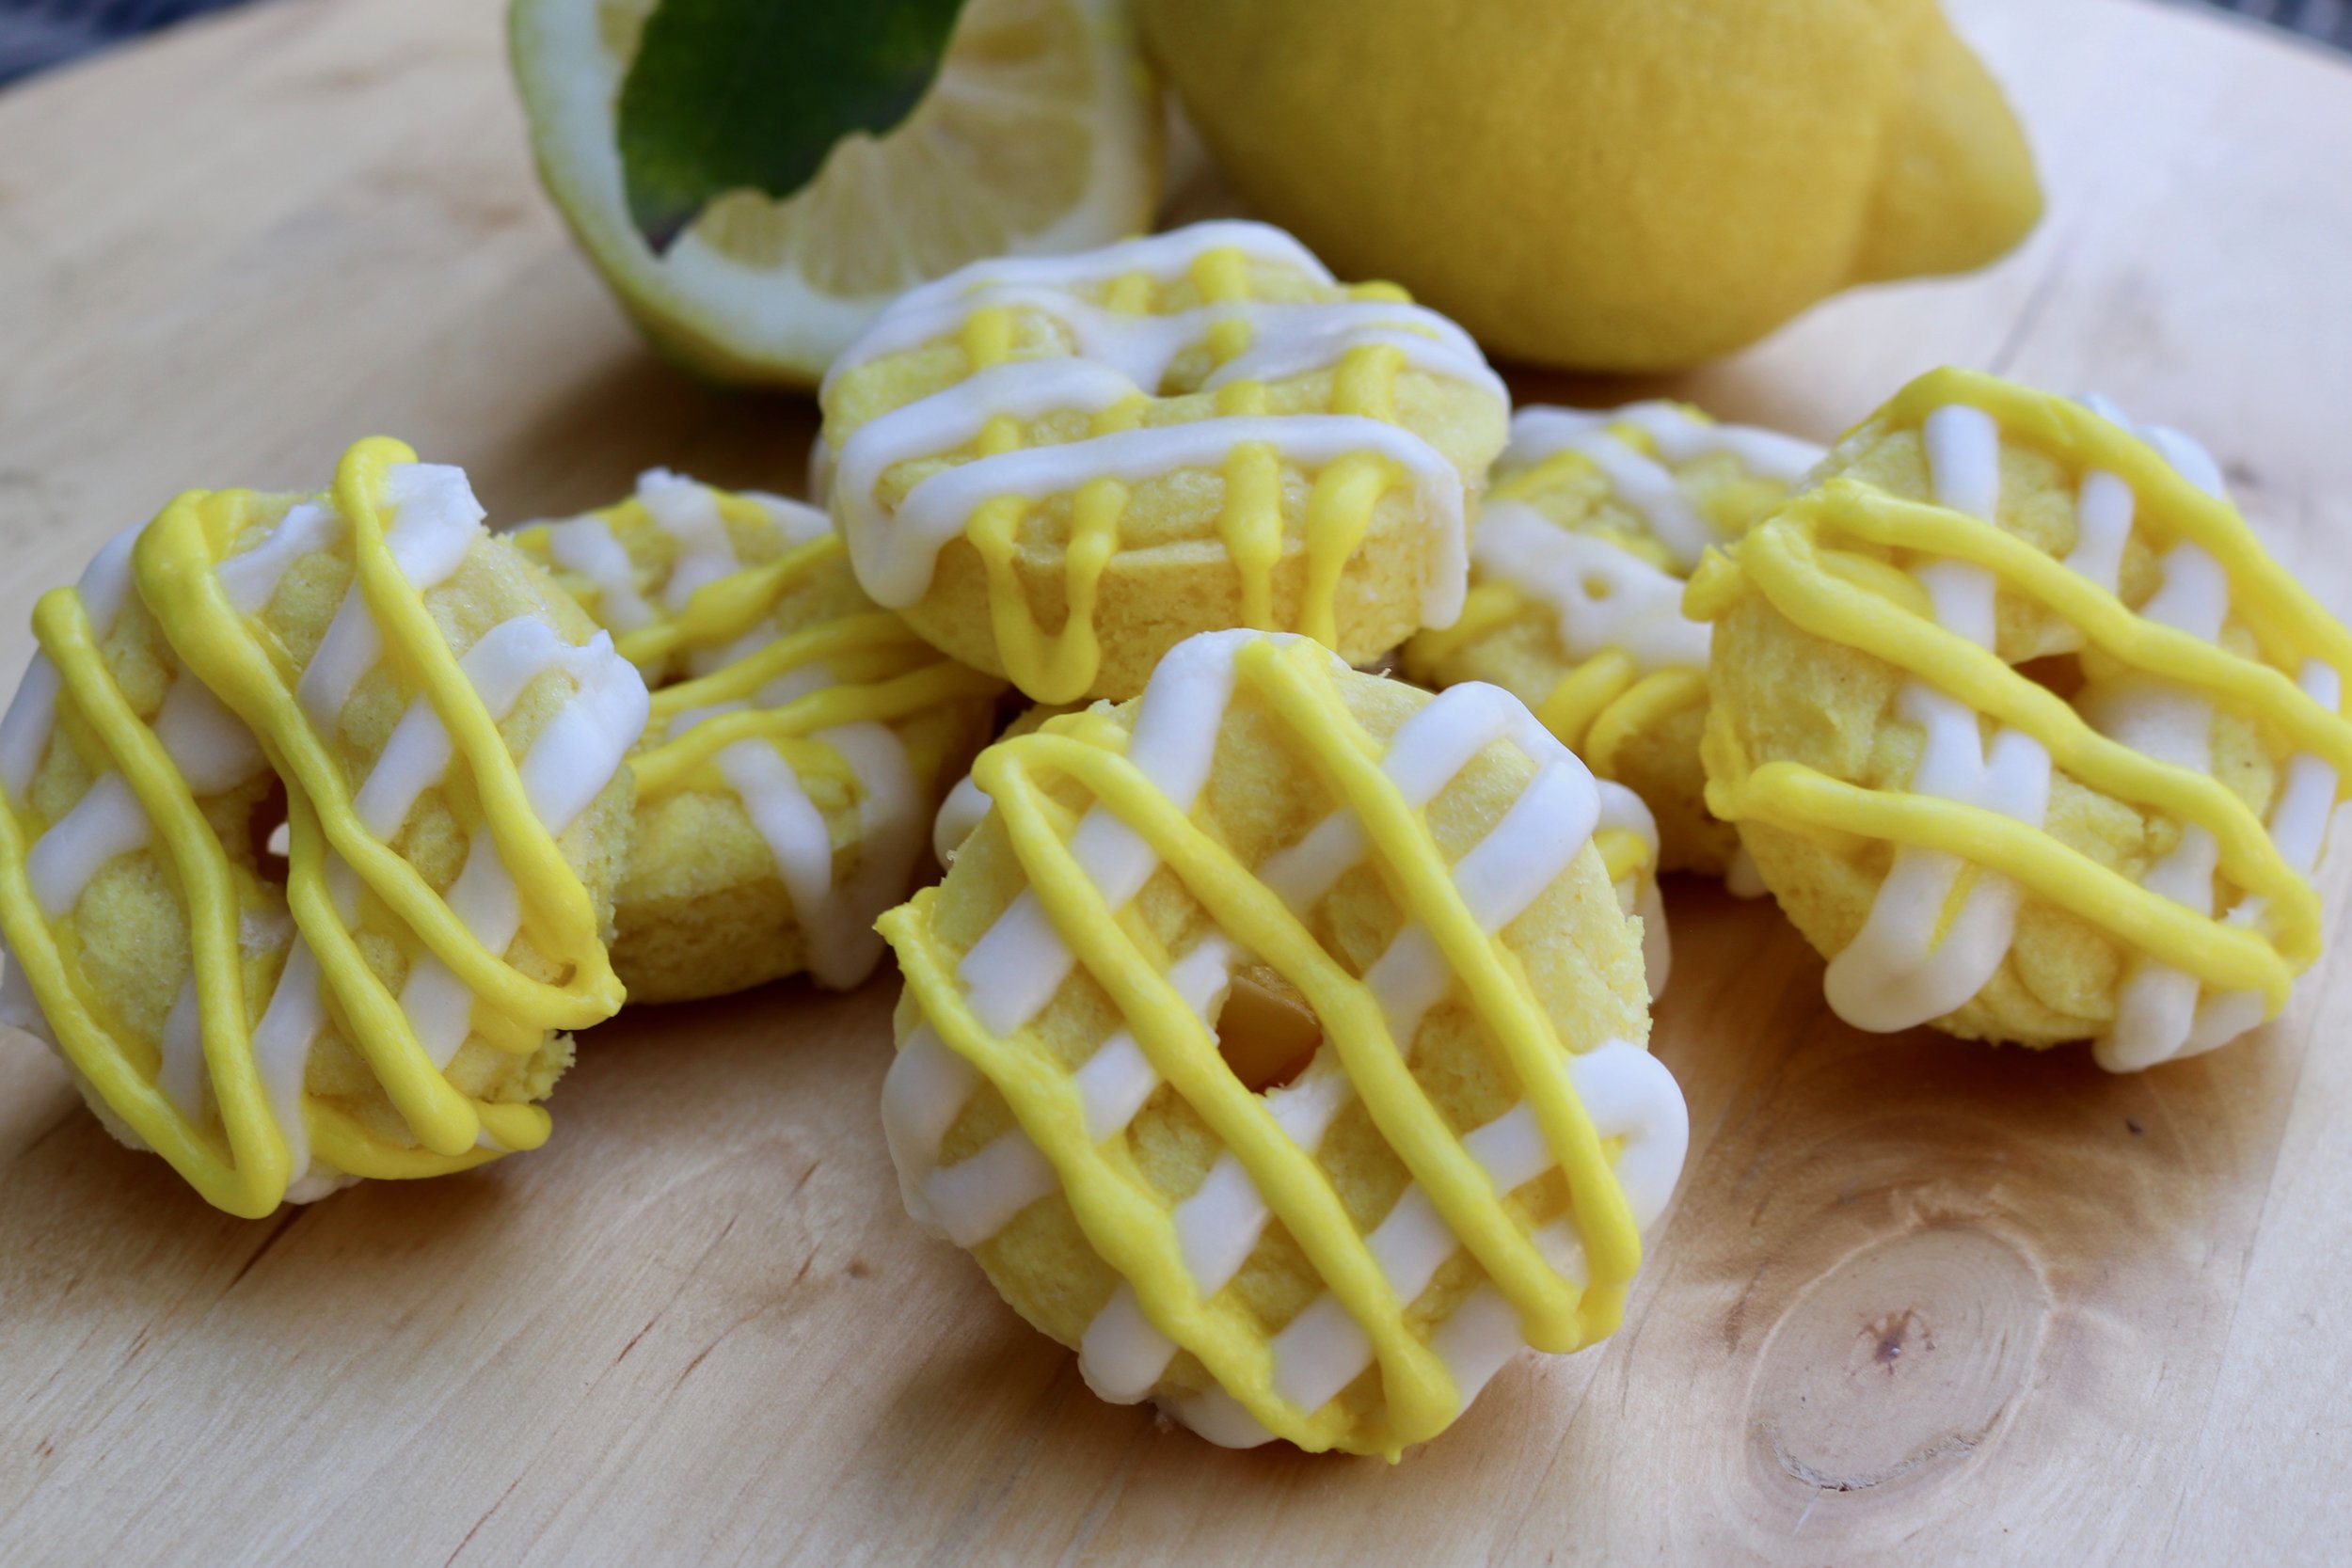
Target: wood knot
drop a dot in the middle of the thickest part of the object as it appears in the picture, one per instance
(1900, 1361)
(1889, 1332)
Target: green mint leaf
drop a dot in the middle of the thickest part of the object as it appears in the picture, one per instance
(729, 95)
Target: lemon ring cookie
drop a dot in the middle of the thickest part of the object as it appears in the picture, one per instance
(441, 735)
(1592, 524)
(1275, 1042)
(2026, 731)
(799, 737)
(1057, 468)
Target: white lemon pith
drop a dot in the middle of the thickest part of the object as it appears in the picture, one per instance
(1041, 135)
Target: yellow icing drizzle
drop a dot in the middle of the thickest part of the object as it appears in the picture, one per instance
(1221, 274)
(1059, 666)
(883, 673)
(886, 673)
(246, 1172)
(1365, 381)
(726, 608)
(1640, 708)
(244, 1169)
(1132, 1227)
(988, 337)
(1794, 562)
(1251, 525)
(1623, 852)
(1598, 704)
(1228, 340)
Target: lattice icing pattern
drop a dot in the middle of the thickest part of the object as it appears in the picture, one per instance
(1625, 833)
(1417, 911)
(2203, 733)
(1594, 521)
(1058, 466)
(799, 735)
(447, 734)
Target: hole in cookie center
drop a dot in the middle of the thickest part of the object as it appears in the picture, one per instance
(1265, 1031)
(272, 839)
(2061, 674)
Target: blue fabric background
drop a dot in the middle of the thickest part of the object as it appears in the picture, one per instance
(37, 33)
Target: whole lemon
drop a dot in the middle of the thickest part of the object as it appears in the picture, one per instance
(1609, 184)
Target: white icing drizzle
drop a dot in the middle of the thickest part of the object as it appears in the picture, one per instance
(1601, 595)
(251, 578)
(1906, 965)
(1626, 1091)
(1286, 338)
(435, 521)
(1159, 256)
(1888, 979)
(1647, 484)
(211, 746)
(975, 1198)
(2103, 504)
(692, 513)
(836, 913)
(588, 545)
(19, 1007)
(579, 750)
(350, 649)
(921, 1099)
(801, 523)
(1017, 965)
(2162, 1013)
(937, 509)
(2158, 1012)
(106, 821)
(960, 815)
(180, 1075)
(289, 1026)
(1126, 354)
(1680, 437)
(24, 730)
(894, 563)
(835, 917)
(104, 588)
(689, 513)
(569, 762)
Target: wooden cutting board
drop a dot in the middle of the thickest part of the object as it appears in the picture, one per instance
(1918, 1301)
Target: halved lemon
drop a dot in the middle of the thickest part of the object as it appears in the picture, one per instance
(1041, 135)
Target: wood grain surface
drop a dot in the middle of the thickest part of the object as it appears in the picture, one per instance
(1917, 1302)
